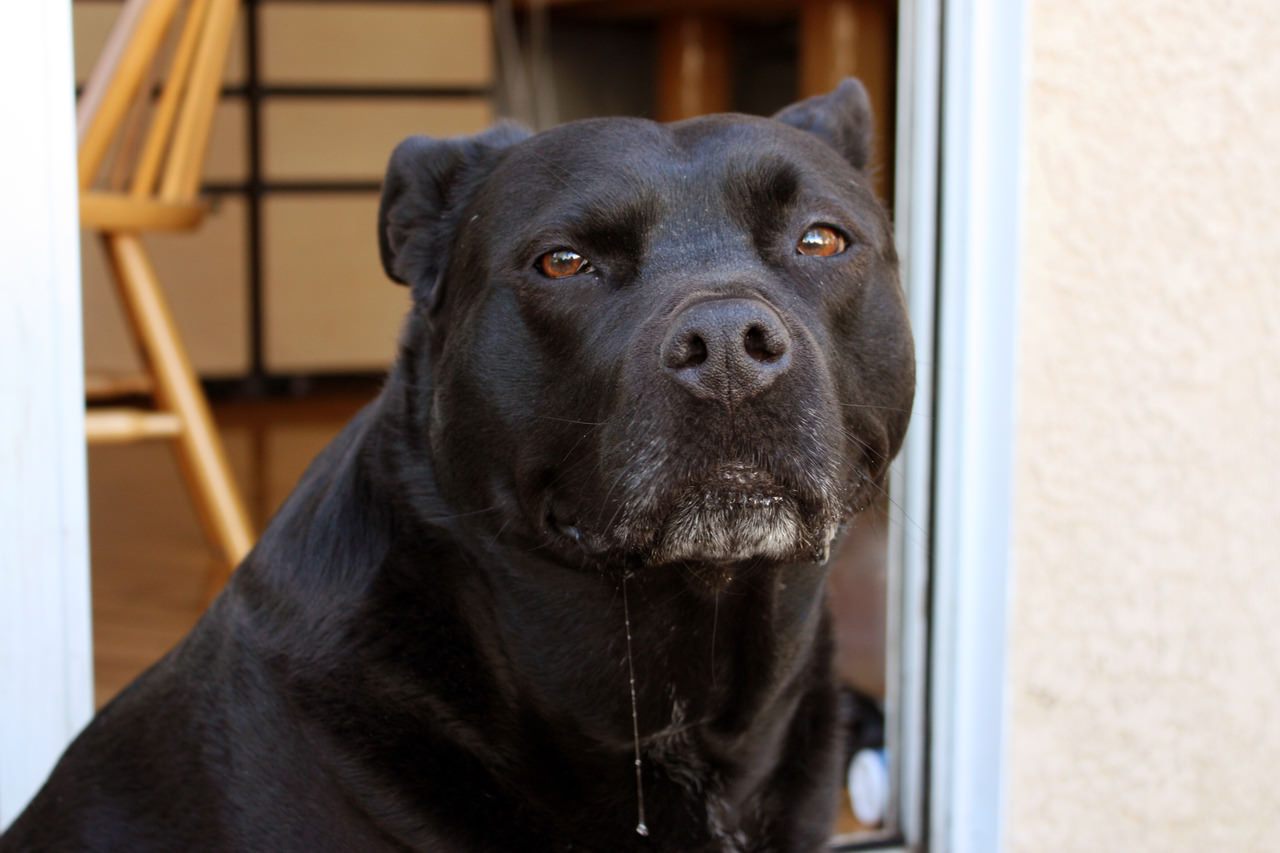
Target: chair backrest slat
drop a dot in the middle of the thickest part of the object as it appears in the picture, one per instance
(122, 85)
(175, 85)
(191, 135)
(115, 174)
(104, 69)
(167, 159)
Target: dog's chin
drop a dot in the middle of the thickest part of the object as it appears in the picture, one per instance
(731, 527)
(732, 514)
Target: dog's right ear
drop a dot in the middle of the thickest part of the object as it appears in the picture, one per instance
(428, 183)
(841, 118)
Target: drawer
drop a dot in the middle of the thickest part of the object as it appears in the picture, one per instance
(327, 304)
(349, 139)
(371, 43)
(227, 158)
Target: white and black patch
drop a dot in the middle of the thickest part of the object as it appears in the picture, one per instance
(675, 750)
(724, 527)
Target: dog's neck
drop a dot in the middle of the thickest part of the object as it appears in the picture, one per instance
(714, 670)
(735, 646)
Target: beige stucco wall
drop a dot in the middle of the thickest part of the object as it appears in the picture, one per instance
(1145, 632)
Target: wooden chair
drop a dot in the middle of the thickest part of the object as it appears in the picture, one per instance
(140, 158)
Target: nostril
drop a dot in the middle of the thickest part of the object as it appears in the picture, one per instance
(757, 344)
(695, 351)
(685, 350)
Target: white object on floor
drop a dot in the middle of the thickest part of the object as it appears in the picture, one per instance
(868, 785)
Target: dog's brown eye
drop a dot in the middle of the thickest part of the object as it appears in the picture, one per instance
(562, 263)
(821, 241)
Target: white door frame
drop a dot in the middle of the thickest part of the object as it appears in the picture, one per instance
(983, 80)
(46, 664)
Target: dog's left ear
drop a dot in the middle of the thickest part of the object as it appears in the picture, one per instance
(428, 183)
(841, 118)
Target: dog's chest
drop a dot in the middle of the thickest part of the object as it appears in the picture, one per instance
(687, 769)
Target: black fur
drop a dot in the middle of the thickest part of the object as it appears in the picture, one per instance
(426, 650)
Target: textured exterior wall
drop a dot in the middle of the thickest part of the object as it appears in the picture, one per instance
(1145, 644)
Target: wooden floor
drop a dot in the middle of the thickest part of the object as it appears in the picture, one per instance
(153, 573)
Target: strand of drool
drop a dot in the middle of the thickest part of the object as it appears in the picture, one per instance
(641, 829)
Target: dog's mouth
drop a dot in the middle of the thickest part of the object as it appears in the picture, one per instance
(732, 512)
(738, 512)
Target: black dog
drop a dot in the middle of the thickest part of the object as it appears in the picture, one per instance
(565, 575)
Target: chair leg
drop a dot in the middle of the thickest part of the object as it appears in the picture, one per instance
(200, 451)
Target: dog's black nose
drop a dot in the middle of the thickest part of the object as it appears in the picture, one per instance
(727, 349)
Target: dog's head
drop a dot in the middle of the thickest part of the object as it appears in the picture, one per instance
(646, 343)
